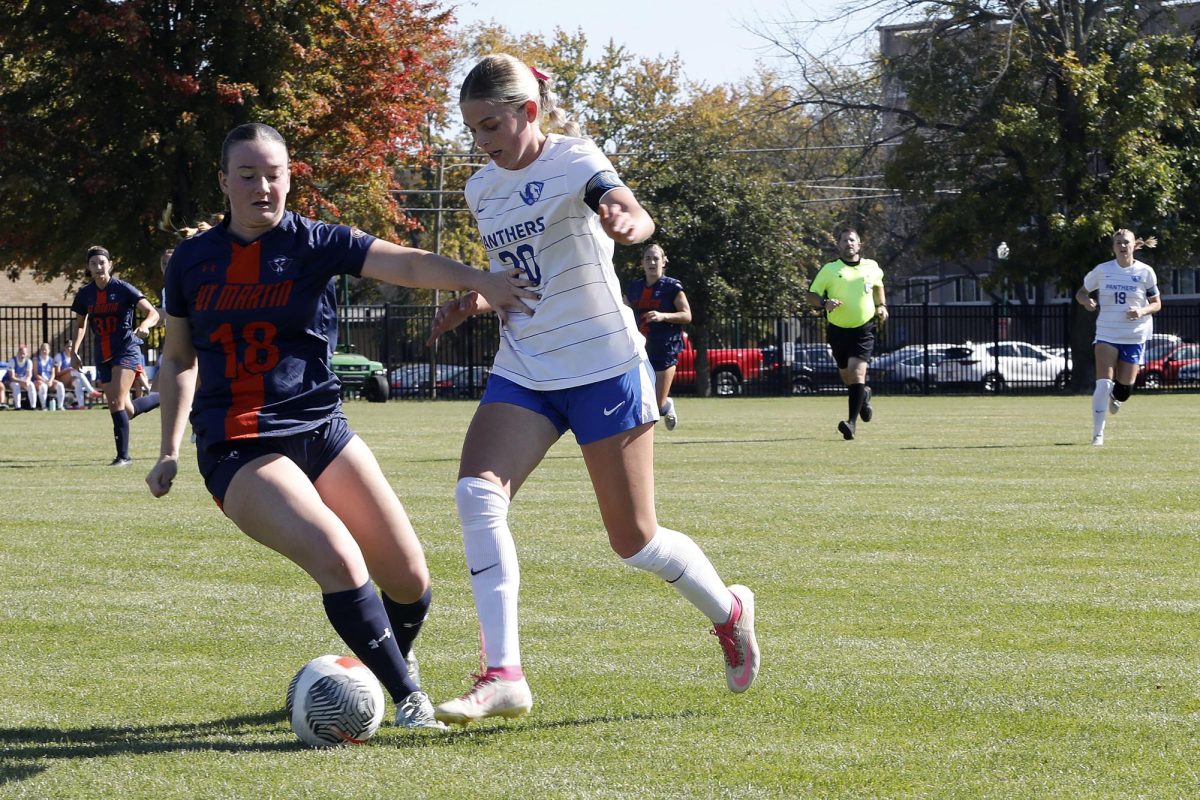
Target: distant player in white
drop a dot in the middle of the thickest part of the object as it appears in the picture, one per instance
(1127, 294)
(549, 209)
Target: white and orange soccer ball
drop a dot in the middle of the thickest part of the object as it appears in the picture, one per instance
(334, 700)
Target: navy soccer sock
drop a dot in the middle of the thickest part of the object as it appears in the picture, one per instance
(359, 618)
(407, 618)
(144, 404)
(121, 432)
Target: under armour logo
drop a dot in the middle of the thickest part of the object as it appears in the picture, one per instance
(532, 192)
(375, 643)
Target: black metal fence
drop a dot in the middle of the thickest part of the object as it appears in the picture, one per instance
(921, 349)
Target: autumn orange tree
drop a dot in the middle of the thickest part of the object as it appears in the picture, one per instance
(112, 115)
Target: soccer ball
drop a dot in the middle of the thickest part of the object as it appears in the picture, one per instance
(334, 700)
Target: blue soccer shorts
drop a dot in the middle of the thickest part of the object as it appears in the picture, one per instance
(1129, 353)
(593, 411)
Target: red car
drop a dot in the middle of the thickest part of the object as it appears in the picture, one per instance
(1164, 370)
(728, 367)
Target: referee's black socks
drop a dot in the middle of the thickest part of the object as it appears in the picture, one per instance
(858, 394)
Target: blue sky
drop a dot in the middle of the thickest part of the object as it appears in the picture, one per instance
(713, 37)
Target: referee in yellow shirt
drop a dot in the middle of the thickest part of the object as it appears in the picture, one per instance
(850, 290)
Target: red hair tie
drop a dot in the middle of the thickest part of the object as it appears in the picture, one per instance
(537, 73)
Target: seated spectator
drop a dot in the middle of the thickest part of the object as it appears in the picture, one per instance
(3, 391)
(20, 377)
(46, 380)
(74, 379)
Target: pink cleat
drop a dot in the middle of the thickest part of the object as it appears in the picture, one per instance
(737, 640)
(491, 696)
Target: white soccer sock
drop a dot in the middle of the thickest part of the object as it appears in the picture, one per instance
(60, 394)
(679, 561)
(1100, 405)
(668, 407)
(495, 572)
(78, 392)
(42, 390)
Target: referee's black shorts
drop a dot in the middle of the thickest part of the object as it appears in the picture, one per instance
(848, 343)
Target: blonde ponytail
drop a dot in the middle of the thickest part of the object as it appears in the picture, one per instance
(505, 79)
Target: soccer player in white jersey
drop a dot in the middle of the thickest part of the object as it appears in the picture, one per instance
(549, 208)
(1127, 295)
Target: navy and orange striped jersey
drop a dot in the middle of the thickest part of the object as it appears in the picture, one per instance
(661, 337)
(110, 316)
(263, 320)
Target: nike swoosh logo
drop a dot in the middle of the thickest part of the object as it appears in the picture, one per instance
(485, 569)
(608, 412)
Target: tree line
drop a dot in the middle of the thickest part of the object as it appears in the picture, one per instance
(1040, 126)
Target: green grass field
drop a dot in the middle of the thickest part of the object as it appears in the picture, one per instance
(968, 601)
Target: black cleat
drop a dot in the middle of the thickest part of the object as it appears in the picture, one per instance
(847, 429)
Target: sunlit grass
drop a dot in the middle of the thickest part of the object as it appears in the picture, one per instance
(967, 601)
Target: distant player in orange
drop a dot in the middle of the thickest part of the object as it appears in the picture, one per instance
(662, 310)
(108, 304)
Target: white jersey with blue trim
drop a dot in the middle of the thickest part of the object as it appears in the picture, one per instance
(536, 219)
(1120, 289)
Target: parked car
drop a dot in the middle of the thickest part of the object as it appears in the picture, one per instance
(729, 368)
(1190, 373)
(1164, 370)
(814, 369)
(452, 381)
(359, 375)
(997, 366)
(909, 372)
(910, 349)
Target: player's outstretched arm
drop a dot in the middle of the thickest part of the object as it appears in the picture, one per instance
(176, 386)
(505, 292)
(623, 218)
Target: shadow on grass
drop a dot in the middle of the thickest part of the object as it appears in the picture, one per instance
(24, 751)
(458, 734)
(1030, 446)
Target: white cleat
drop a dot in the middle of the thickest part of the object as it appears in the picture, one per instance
(670, 418)
(491, 696)
(417, 712)
(1114, 405)
(738, 642)
(1098, 440)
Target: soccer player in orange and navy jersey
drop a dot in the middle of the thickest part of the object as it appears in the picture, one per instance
(662, 310)
(251, 311)
(108, 304)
